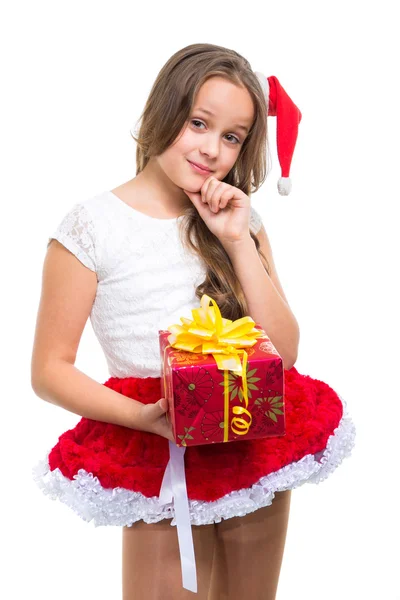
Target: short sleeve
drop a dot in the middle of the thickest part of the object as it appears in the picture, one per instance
(77, 233)
(255, 221)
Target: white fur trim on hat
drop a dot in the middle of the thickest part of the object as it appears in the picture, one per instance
(265, 86)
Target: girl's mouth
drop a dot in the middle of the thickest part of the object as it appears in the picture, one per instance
(198, 169)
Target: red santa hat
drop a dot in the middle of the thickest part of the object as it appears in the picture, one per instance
(288, 118)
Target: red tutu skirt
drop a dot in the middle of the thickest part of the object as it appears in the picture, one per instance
(112, 474)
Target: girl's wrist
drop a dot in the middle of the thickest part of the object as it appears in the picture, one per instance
(239, 246)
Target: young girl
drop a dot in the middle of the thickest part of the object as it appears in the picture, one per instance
(137, 258)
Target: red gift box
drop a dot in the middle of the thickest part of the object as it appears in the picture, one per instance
(208, 404)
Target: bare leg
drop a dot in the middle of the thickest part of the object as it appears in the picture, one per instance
(249, 553)
(151, 567)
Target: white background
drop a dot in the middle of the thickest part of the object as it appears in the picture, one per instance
(75, 77)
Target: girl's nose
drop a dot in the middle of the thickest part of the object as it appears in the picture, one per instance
(210, 146)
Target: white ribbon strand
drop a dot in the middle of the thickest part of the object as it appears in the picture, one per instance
(173, 488)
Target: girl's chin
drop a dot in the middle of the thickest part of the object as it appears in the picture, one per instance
(191, 187)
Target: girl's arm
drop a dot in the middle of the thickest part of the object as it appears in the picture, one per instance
(264, 295)
(68, 291)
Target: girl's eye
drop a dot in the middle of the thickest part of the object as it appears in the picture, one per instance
(196, 121)
(234, 137)
(229, 134)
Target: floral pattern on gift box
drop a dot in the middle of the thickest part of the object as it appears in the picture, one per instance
(195, 387)
(273, 374)
(268, 347)
(235, 384)
(265, 410)
(186, 436)
(212, 426)
(180, 357)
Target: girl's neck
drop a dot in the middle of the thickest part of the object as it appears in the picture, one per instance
(157, 189)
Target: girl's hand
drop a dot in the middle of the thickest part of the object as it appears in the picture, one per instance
(154, 419)
(224, 208)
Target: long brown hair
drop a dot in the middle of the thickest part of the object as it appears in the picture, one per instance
(166, 111)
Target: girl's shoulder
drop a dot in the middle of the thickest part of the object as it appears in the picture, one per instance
(81, 229)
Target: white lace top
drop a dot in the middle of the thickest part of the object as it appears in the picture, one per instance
(146, 277)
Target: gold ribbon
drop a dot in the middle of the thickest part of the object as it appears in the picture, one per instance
(210, 333)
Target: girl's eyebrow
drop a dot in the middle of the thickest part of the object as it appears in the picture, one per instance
(205, 110)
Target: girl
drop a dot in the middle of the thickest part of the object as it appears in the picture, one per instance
(141, 256)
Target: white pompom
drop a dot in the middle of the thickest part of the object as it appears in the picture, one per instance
(284, 186)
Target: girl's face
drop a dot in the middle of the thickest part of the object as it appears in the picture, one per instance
(213, 139)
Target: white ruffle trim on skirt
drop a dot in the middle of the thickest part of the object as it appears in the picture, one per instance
(119, 506)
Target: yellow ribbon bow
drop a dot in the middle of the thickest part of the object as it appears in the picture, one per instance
(210, 333)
